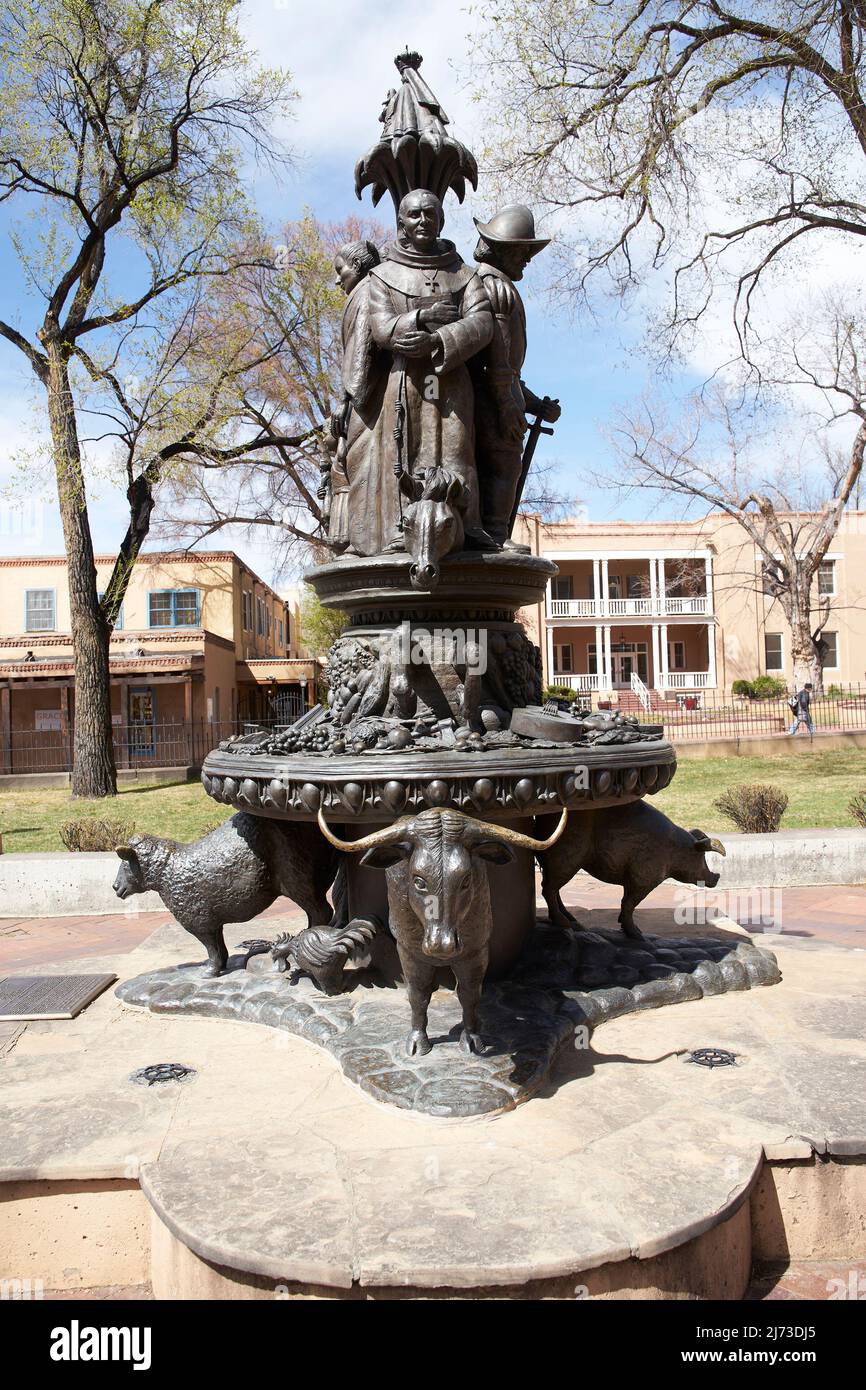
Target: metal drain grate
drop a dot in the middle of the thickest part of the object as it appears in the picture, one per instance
(159, 1072)
(712, 1057)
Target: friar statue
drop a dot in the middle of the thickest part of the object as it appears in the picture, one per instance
(430, 313)
(505, 247)
(364, 374)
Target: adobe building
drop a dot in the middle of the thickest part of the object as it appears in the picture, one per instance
(202, 644)
(680, 608)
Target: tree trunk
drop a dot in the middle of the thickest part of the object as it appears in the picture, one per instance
(806, 661)
(93, 772)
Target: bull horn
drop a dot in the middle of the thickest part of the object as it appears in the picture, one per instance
(378, 837)
(718, 848)
(514, 837)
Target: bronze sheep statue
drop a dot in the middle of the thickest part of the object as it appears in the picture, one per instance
(231, 875)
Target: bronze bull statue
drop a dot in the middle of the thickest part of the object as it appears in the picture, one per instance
(439, 903)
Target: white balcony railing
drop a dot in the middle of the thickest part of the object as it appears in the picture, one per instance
(575, 681)
(629, 607)
(683, 680)
(699, 605)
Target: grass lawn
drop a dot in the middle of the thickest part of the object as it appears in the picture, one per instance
(819, 785)
(30, 820)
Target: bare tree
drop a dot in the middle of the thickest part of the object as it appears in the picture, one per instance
(124, 125)
(790, 516)
(685, 131)
(263, 468)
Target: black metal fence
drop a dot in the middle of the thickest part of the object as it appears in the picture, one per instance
(136, 746)
(691, 716)
(710, 715)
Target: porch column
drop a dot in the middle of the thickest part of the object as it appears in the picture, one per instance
(711, 653)
(662, 591)
(549, 673)
(187, 719)
(608, 663)
(64, 726)
(657, 669)
(605, 590)
(596, 586)
(663, 637)
(6, 729)
(654, 587)
(122, 744)
(599, 655)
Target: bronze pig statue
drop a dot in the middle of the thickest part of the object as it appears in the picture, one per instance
(635, 846)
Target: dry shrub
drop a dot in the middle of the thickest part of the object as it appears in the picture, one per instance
(755, 808)
(857, 808)
(89, 834)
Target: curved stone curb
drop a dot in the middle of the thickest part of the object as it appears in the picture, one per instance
(564, 981)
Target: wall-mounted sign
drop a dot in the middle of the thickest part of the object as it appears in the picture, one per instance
(47, 721)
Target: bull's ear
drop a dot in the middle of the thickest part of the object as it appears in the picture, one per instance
(494, 851)
(383, 856)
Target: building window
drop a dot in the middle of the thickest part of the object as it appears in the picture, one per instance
(614, 586)
(39, 610)
(260, 617)
(827, 578)
(676, 656)
(562, 587)
(173, 608)
(247, 611)
(773, 657)
(831, 653)
(634, 585)
(280, 633)
(562, 658)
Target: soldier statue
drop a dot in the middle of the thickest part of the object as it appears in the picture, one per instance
(506, 245)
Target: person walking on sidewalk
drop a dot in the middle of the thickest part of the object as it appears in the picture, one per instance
(800, 705)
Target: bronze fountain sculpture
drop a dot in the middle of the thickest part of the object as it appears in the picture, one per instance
(432, 759)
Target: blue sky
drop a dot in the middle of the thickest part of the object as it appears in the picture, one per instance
(341, 55)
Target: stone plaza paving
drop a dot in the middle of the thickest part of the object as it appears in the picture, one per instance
(831, 921)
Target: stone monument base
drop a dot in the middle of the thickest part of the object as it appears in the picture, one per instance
(631, 1174)
(564, 984)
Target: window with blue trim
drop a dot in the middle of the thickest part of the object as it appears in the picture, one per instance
(174, 607)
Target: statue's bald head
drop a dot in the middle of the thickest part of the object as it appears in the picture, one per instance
(420, 219)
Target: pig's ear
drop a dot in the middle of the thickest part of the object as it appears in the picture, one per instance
(700, 837)
(494, 851)
(383, 856)
(126, 852)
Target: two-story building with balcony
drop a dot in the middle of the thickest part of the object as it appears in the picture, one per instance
(201, 641)
(657, 611)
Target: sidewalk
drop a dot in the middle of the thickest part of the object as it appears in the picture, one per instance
(835, 915)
